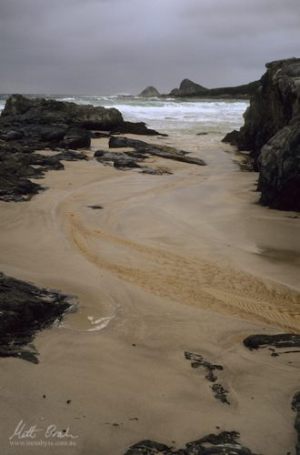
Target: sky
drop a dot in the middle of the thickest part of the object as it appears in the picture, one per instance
(103, 47)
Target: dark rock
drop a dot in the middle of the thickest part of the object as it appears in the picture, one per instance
(120, 160)
(232, 137)
(279, 164)
(197, 361)
(191, 89)
(48, 111)
(296, 408)
(95, 207)
(148, 447)
(139, 128)
(225, 443)
(25, 310)
(18, 164)
(76, 138)
(281, 340)
(188, 88)
(12, 135)
(271, 133)
(143, 148)
(220, 393)
(150, 92)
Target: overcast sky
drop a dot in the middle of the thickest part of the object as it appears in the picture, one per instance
(110, 46)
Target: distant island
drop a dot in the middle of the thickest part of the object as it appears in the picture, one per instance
(189, 88)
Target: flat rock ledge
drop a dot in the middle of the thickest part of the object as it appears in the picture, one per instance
(25, 310)
(141, 151)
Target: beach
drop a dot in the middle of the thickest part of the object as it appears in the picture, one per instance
(169, 264)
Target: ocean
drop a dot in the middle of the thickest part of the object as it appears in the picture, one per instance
(169, 114)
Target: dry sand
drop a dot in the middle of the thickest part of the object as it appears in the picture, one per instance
(171, 263)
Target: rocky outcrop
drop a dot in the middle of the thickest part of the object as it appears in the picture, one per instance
(43, 122)
(150, 92)
(189, 88)
(271, 133)
(18, 164)
(29, 124)
(48, 111)
(25, 310)
(226, 443)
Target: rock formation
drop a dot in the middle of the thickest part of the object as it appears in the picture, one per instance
(150, 92)
(29, 124)
(189, 88)
(272, 134)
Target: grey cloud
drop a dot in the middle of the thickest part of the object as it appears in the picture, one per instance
(107, 46)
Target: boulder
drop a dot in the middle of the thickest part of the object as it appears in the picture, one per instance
(150, 92)
(271, 132)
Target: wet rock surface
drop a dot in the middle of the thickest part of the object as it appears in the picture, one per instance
(197, 361)
(225, 443)
(271, 133)
(279, 341)
(143, 150)
(30, 124)
(19, 164)
(25, 310)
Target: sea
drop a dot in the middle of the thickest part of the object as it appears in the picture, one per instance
(171, 115)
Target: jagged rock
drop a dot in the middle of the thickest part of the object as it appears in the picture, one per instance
(142, 148)
(18, 164)
(26, 309)
(150, 92)
(225, 443)
(272, 133)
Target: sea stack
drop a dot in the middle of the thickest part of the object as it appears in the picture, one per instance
(150, 92)
(272, 134)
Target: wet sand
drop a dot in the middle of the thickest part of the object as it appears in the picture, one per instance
(171, 263)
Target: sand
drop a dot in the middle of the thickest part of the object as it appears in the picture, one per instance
(171, 263)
